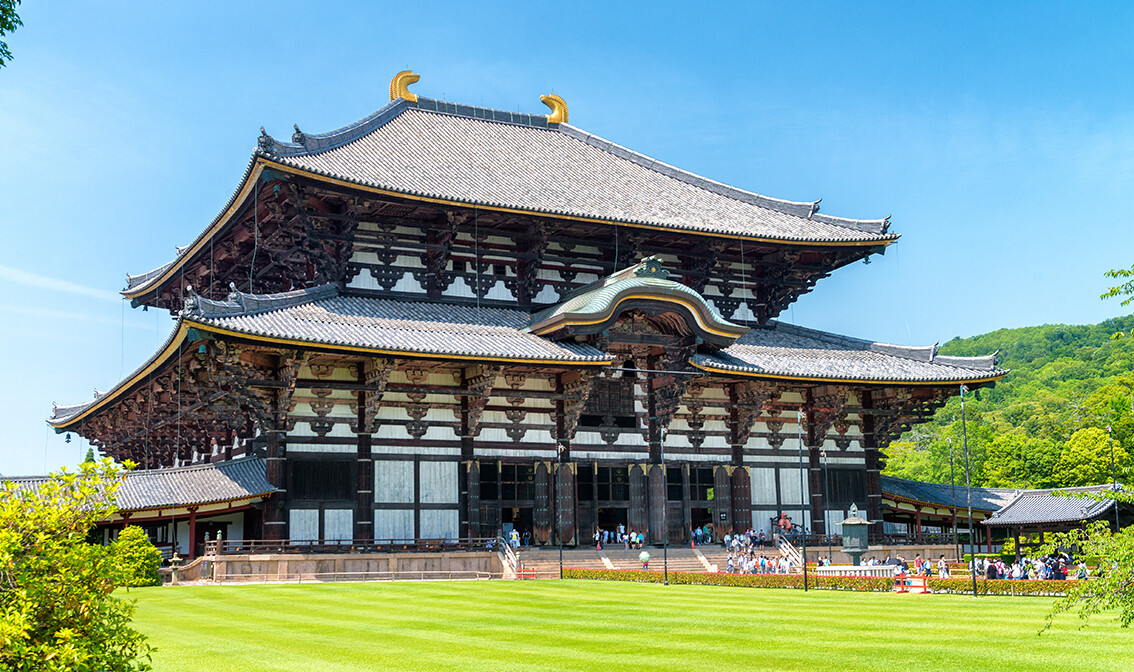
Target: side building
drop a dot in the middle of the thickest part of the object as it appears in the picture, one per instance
(445, 321)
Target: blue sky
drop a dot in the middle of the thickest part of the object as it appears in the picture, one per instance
(1000, 138)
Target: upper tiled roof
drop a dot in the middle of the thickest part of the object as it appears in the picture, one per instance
(319, 315)
(784, 350)
(234, 480)
(503, 159)
(1066, 505)
(983, 499)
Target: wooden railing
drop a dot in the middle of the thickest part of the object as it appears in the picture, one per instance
(265, 546)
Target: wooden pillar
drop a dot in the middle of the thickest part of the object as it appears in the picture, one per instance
(917, 526)
(657, 500)
(192, 533)
(275, 527)
(638, 516)
(873, 466)
(364, 504)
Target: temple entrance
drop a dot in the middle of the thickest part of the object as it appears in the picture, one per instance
(609, 518)
(516, 518)
(700, 518)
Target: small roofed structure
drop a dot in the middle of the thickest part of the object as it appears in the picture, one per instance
(179, 506)
(1059, 510)
(929, 511)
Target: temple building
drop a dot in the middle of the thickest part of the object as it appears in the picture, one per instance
(445, 321)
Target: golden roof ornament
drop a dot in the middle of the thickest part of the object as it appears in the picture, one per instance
(399, 86)
(558, 108)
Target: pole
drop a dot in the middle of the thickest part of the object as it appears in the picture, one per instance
(558, 529)
(953, 483)
(968, 486)
(664, 512)
(1113, 479)
(827, 500)
(802, 500)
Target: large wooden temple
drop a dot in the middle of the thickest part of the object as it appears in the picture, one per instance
(442, 321)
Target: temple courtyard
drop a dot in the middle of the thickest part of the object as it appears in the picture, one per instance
(584, 625)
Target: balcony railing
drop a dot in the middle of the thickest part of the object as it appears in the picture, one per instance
(265, 546)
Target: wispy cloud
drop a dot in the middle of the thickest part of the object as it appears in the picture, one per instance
(71, 316)
(30, 279)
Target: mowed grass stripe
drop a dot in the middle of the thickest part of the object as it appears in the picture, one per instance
(583, 625)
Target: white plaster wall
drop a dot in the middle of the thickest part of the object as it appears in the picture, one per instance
(393, 524)
(763, 485)
(303, 524)
(439, 483)
(338, 524)
(443, 524)
(393, 482)
(790, 487)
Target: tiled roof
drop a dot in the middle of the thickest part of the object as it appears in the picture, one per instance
(1067, 505)
(503, 159)
(983, 499)
(321, 316)
(233, 480)
(785, 350)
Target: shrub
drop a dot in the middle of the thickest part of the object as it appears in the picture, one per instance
(137, 559)
(1000, 587)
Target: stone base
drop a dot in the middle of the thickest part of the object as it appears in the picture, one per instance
(357, 567)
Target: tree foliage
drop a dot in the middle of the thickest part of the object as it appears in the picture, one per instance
(9, 21)
(137, 558)
(1112, 586)
(56, 602)
(1064, 379)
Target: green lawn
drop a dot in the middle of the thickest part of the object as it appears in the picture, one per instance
(582, 625)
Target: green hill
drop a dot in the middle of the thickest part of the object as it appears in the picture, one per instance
(1045, 424)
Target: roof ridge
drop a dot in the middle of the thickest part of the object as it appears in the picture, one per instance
(244, 303)
(193, 467)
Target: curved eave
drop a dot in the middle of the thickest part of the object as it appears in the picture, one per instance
(853, 381)
(231, 500)
(186, 324)
(918, 502)
(260, 163)
(725, 331)
(235, 203)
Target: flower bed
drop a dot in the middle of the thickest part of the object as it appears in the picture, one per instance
(1000, 587)
(855, 583)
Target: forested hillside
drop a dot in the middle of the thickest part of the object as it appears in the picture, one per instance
(1045, 424)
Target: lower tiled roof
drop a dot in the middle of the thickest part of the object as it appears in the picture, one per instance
(983, 499)
(234, 480)
(401, 326)
(1067, 505)
(786, 350)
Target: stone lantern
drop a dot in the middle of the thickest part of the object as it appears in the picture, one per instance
(855, 531)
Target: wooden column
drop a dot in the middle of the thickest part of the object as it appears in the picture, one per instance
(470, 494)
(364, 505)
(275, 527)
(638, 517)
(657, 499)
(873, 470)
(917, 526)
(192, 533)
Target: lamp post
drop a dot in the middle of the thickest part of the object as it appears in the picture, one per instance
(953, 483)
(664, 510)
(827, 502)
(968, 486)
(802, 500)
(558, 528)
(1113, 479)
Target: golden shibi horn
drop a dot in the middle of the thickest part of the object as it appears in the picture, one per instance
(399, 86)
(558, 109)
